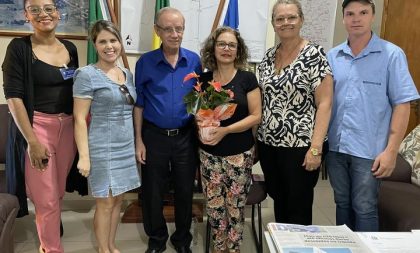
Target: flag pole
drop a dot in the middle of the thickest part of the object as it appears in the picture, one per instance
(115, 21)
(218, 14)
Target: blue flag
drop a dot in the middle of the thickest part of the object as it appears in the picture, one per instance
(232, 16)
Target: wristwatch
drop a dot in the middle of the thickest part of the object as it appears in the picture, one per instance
(315, 152)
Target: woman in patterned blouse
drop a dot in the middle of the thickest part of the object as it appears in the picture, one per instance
(296, 84)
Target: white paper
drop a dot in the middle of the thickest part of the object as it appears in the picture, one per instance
(136, 21)
(319, 21)
(392, 242)
(300, 238)
(270, 244)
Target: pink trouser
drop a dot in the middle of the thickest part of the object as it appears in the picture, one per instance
(46, 188)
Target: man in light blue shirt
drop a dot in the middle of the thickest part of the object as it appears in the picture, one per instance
(371, 107)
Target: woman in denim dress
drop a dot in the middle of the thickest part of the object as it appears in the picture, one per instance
(106, 146)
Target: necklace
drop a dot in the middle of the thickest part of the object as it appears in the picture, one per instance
(218, 77)
(280, 61)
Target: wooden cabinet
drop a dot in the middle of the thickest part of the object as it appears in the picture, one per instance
(401, 26)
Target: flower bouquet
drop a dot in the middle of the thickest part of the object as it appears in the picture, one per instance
(209, 106)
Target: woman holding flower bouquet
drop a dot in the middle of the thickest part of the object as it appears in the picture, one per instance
(226, 154)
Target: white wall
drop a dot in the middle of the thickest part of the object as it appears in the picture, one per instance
(339, 36)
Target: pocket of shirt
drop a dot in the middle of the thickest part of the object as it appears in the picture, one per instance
(372, 82)
(373, 87)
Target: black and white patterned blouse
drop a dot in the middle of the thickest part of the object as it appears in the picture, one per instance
(289, 97)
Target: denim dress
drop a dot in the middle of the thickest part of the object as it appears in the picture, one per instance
(110, 132)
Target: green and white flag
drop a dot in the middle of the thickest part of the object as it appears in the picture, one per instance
(98, 9)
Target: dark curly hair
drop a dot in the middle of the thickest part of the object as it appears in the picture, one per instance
(208, 58)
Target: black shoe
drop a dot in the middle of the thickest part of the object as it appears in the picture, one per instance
(61, 229)
(160, 250)
(183, 249)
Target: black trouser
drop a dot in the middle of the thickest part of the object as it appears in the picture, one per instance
(288, 183)
(168, 158)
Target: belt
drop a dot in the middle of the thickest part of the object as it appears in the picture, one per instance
(168, 132)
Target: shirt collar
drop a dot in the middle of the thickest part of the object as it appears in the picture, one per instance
(161, 58)
(372, 47)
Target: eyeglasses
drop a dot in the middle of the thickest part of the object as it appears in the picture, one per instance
(222, 45)
(126, 93)
(36, 10)
(292, 19)
(170, 30)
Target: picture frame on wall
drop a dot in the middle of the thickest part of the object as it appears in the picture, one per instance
(73, 23)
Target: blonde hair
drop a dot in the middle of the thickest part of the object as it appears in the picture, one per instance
(295, 2)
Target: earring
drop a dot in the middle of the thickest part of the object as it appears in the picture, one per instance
(27, 21)
(59, 18)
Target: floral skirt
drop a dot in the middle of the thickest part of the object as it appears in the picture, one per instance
(226, 181)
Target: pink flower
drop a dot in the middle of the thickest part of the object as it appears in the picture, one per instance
(197, 87)
(236, 189)
(191, 76)
(215, 202)
(215, 178)
(236, 160)
(222, 225)
(208, 98)
(233, 235)
(216, 85)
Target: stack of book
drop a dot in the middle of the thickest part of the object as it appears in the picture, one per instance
(293, 238)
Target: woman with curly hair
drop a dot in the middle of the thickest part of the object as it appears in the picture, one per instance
(227, 155)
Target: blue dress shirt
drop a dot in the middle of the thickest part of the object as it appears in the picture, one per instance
(366, 88)
(160, 87)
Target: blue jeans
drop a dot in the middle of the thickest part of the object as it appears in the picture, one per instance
(355, 191)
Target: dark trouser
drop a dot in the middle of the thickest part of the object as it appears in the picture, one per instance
(175, 158)
(288, 183)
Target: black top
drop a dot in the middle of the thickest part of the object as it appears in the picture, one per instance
(18, 83)
(236, 143)
(52, 94)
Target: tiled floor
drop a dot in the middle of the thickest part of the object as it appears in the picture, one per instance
(79, 238)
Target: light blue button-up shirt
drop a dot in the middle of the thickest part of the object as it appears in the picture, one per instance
(366, 88)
